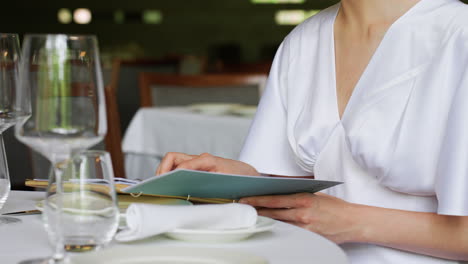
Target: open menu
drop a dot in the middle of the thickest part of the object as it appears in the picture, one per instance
(203, 187)
(200, 186)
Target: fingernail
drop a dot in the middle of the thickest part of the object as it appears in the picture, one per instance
(243, 201)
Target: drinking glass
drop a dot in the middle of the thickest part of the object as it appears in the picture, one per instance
(14, 103)
(63, 73)
(89, 214)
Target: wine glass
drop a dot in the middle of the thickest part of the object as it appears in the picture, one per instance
(63, 73)
(14, 104)
(90, 215)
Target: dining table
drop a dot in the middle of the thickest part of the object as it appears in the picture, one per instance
(192, 129)
(26, 239)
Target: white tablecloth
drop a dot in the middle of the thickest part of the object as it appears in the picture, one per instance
(155, 131)
(284, 244)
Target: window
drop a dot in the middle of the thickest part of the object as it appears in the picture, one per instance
(64, 16)
(277, 1)
(119, 16)
(293, 17)
(152, 16)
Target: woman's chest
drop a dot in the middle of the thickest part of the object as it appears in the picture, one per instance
(353, 50)
(394, 124)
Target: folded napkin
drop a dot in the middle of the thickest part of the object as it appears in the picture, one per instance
(145, 220)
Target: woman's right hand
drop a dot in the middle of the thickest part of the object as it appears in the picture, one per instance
(204, 162)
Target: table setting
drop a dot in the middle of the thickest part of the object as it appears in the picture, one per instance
(281, 243)
(57, 106)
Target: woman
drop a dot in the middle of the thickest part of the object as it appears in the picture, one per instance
(371, 93)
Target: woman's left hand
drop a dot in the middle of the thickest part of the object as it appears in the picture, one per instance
(326, 215)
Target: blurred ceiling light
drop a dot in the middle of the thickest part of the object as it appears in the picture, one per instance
(277, 1)
(119, 16)
(152, 16)
(82, 16)
(293, 17)
(64, 16)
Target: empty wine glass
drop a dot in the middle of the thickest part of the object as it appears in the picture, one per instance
(89, 215)
(14, 103)
(63, 73)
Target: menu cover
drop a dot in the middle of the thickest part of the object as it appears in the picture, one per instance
(200, 186)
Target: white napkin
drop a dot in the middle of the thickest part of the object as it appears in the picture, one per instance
(145, 220)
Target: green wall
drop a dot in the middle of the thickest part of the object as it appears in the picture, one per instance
(189, 26)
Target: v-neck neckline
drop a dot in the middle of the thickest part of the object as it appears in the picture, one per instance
(364, 74)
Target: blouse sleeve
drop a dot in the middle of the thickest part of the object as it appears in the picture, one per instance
(266, 147)
(452, 175)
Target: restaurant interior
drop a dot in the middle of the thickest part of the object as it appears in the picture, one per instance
(186, 37)
(177, 76)
(177, 36)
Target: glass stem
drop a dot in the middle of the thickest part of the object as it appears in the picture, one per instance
(59, 253)
(4, 174)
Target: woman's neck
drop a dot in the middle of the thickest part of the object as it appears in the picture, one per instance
(367, 14)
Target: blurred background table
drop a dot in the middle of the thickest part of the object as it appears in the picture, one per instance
(284, 244)
(154, 131)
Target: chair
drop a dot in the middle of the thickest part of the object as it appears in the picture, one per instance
(122, 100)
(262, 67)
(163, 90)
(244, 88)
(124, 82)
(113, 139)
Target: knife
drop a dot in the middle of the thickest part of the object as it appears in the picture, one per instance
(27, 212)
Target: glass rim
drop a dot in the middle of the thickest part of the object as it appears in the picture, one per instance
(68, 36)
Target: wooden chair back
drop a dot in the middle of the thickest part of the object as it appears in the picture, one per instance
(124, 83)
(211, 82)
(262, 67)
(122, 101)
(113, 139)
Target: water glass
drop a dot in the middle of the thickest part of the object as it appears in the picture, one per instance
(14, 101)
(64, 77)
(81, 211)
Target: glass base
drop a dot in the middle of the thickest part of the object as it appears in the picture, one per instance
(80, 248)
(7, 220)
(37, 261)
(45, 260)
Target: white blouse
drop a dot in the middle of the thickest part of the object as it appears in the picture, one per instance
(402, 141)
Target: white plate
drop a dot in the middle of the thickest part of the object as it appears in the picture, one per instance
(214, 108)
(244, 110)
(166, 255)
(216, 236)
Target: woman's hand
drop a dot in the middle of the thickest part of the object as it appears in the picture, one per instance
(204, 162)
(326, 215)
(442, 236)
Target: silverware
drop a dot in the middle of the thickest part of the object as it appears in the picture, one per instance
(79, 248)
(27, 212)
